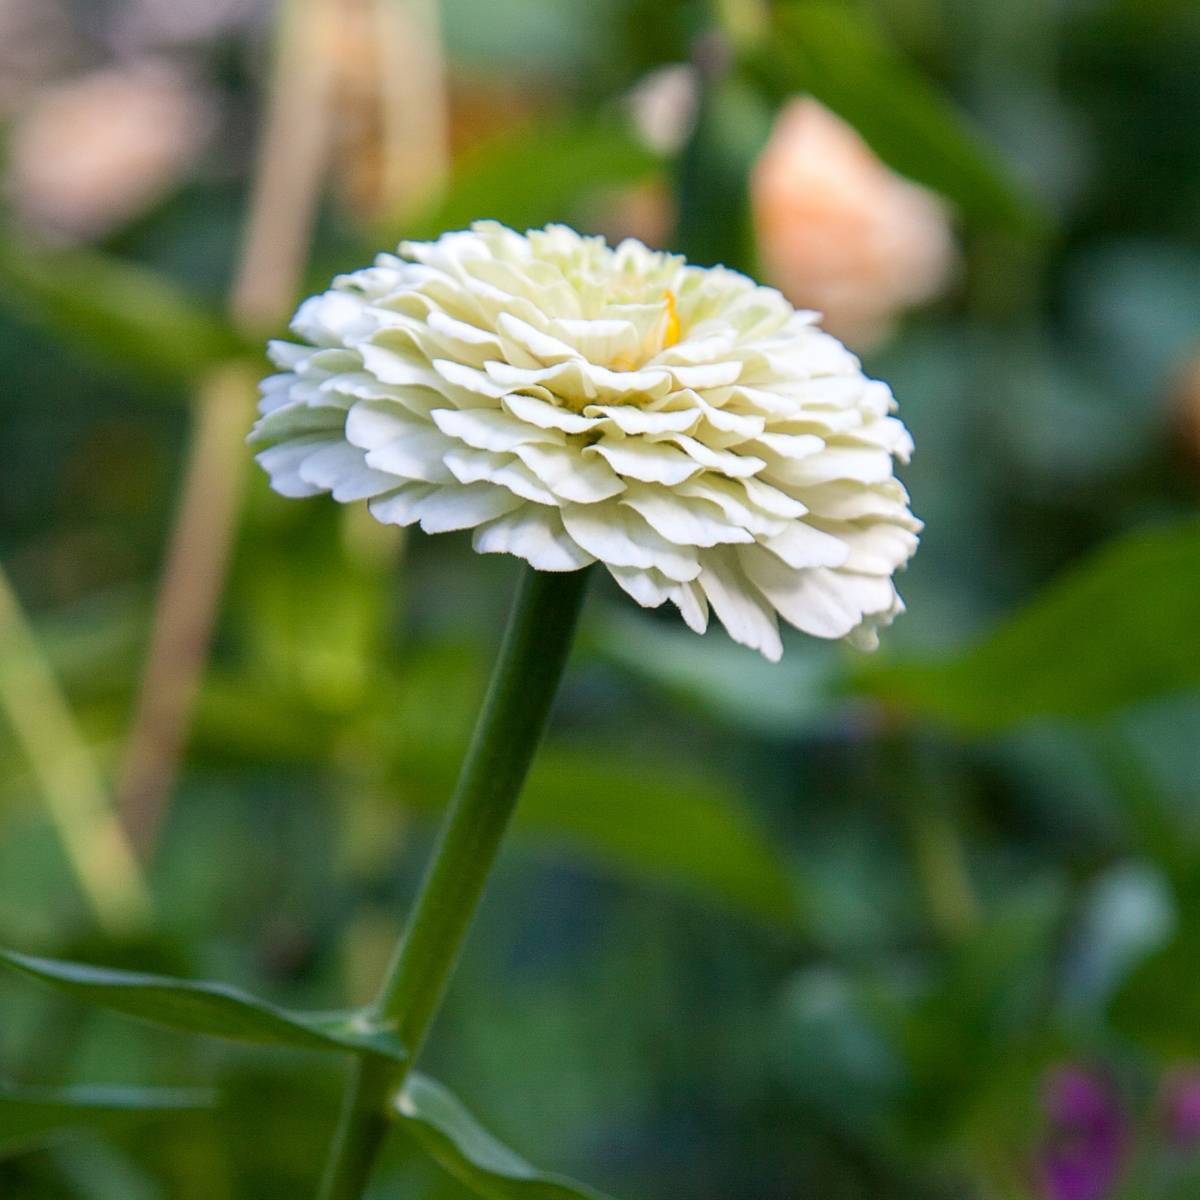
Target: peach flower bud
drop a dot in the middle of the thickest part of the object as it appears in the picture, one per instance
(92, 152)
(841, 233)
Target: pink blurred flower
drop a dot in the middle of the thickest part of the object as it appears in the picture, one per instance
(1181, 1108)
(839, 232)
(1088, 1141)
(94, 151)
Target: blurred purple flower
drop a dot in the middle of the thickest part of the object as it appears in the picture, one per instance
(1181, 1108)
(1085, 1149)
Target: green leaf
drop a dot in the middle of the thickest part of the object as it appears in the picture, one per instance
(31, 1117)
(837, 53)
(1118, 629)
(126, 314)
(435, 1118)
(206, 1008)
(537, 174)
(662, 821)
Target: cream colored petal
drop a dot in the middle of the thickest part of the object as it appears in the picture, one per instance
(629, 419)
(692, 603)
(455, 507)
(342, 469)
(649, 588)
(283, 464)
(401, 507)
(726, 462)
(800, 545)
(374, 423)
(491, 429)
(834, 462)
(535, 534)
(502, 470)
(649, 462)
(569, 474)
(683, 521)
(417, 455)
(738, 605)
(619, 537)
(546, 415)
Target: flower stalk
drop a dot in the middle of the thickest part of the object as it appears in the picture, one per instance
(532, 656)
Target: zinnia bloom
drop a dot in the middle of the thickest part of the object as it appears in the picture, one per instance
(839, 231)
(571, 402)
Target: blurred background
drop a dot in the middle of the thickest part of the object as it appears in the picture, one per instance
(924, 924)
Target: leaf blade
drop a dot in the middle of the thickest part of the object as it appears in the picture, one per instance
(438, 1122)
(31, 1117)
(120, 312)
(1114, 630)
(212, 1009)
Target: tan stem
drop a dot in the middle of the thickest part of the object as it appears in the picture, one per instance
(70, 780)
(291, 164)
(188, 597)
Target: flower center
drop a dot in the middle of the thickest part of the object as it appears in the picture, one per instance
(670, 334)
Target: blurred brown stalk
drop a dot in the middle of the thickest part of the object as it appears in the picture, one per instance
(325, 51)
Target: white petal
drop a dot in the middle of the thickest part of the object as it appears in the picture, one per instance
(293, 420)
(401, 507)
(372, 423)
(490, 428)
(800, 545)
(342, 469)
(682, 521)
(457, 507)
(283, 463)
(877, 549)
(727, 462)
(535, 534)
(546, 415)
(503, 470)
(738, 605)
(732, 498)
(834, 462)
(649, 462)
(568, 474)
(707, 375)
(541, 346)
(648, 588)
(845, 500)
(417, 455)
(692, 603)
(824, 603)
(619, 537)
(630, 419)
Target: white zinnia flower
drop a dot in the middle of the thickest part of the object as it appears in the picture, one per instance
(570, 401)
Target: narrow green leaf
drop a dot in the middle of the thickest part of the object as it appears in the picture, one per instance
(206, 1008)
(1118, 629)
(126, 314)
(836, 52)
(31, 1117)
(436, 1119)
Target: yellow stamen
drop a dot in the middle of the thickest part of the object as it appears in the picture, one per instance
(671, 335)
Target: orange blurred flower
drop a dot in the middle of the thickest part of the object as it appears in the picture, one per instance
(840, 232)
(94, 151)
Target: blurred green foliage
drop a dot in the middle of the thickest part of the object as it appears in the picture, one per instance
(818, 929)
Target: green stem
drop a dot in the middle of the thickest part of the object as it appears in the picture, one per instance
(531, 661)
